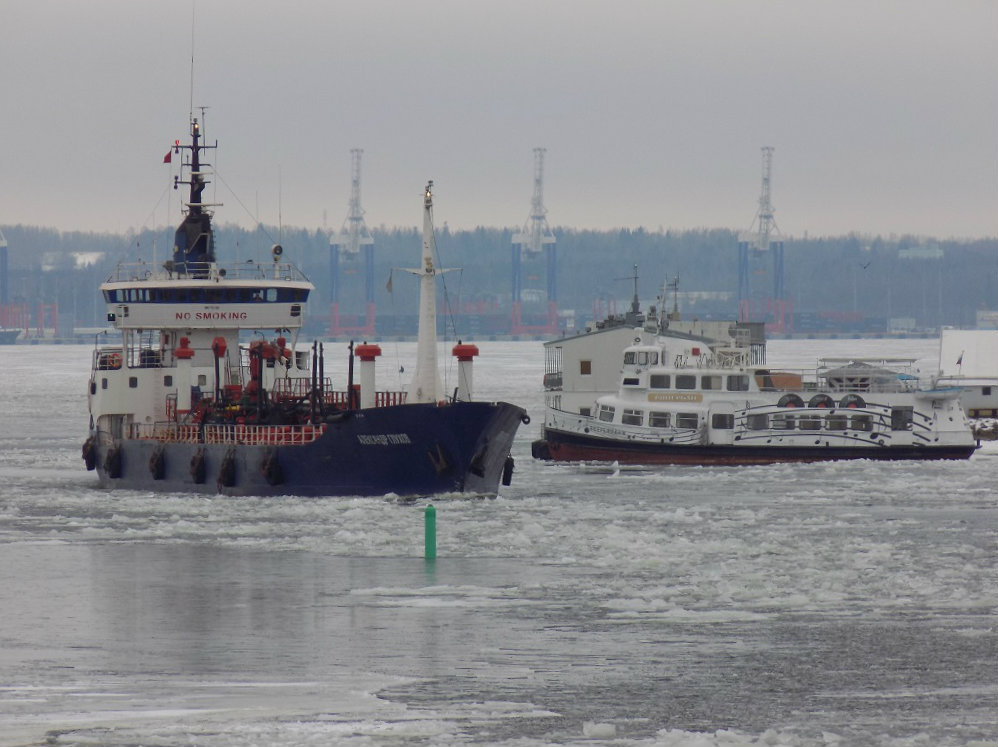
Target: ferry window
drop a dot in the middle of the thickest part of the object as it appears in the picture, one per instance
(632, 417)
(686, 381)
(901, 418)
(586, 368)
(646, 358)
(659, 419)
(810, 423)
(986, 391)
(103, 383)
(606, 413)
(133, 381)
(722, 420)
(631, 381)
(784, 422)
(738, 383)
(630, 358)
(710, 382)
(687, 419)
(837, 423)
(862, 423)
(167, 381)
(587, 411)
(214, 295)
(270, 295)
(659, 381)
(757, 422)
(202, 380)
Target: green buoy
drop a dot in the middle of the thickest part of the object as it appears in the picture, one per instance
(430, 533)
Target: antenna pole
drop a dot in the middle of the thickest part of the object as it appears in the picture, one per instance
(193, 14)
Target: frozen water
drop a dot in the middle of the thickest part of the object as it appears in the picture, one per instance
(832, 604)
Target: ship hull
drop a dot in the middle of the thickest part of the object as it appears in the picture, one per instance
(408, 450)
(572, 447)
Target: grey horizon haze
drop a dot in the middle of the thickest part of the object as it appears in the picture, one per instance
(883, 115)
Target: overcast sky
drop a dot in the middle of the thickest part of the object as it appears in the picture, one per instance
(883, 113)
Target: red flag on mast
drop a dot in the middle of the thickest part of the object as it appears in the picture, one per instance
(168, 157)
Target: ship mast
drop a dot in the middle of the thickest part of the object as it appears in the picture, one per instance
(426, 385)
(194, 242)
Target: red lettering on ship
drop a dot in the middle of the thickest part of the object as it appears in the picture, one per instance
(219, 315)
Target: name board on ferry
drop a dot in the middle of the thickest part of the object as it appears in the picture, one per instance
(675, 397)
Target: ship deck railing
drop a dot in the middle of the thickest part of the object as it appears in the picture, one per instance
(248, 270)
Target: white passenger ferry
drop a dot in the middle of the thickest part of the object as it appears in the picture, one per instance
(687, 399)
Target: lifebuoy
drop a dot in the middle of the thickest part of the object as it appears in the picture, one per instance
(822, 401)
(790, 400)
(852, 401)
(114, 360)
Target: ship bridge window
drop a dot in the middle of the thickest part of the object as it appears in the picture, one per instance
(632, 417)
(659, 419)
(641, 357)
(606, 413)
(710, 382)
(111, 296)
(686, 381)
(136, 295)
(659, 381)
(738, 383)
(687, 419)
(986, 391)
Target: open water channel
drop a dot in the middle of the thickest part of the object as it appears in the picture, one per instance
(832, 604)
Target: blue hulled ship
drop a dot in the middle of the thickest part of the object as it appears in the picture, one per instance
(180, 404)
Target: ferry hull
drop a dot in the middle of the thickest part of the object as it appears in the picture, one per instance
(409, 450)
(571, 447)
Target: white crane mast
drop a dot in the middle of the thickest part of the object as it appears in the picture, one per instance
(426, 385)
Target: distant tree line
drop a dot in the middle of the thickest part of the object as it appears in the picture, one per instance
(935, 282)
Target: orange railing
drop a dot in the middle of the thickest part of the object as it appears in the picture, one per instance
(228, 433)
